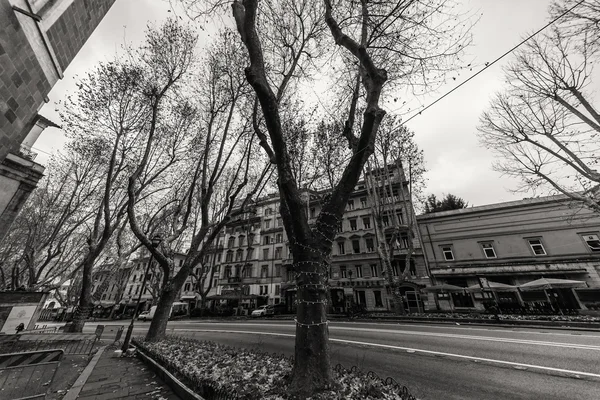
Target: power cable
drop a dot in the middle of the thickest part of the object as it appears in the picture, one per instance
(497, 59)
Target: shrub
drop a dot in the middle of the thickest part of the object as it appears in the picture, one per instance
(255, 375)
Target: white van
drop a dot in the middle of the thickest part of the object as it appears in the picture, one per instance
(179, 308)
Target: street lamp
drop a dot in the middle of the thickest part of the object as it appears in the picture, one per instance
(156, 239)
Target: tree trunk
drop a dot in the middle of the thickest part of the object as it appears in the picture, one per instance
(85, 298)
(158, 326)
(312, 366)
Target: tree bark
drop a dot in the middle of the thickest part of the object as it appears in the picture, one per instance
(158, 326)
(312, 366)
(85, 298)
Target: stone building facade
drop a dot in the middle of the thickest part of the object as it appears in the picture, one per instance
(514, 243)
(38, 41)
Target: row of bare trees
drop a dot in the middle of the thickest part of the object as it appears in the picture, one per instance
(175, 135)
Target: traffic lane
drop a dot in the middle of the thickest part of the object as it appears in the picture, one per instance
(579, 337)
(429, 377)
(542, 354)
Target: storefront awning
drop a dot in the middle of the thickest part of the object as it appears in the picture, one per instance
(189, 297)
(233, 296)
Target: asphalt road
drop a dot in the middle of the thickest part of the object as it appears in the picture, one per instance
(438, 361)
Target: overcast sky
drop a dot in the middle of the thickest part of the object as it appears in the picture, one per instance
(446, 132)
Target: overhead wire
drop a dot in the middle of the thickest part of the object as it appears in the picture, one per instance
(488, 65)
(479, 72)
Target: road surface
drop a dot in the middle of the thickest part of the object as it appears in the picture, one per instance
(437, 361)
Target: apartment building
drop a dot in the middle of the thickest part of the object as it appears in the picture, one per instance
(514, 243)
(256, 268)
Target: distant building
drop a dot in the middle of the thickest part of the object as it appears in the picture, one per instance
(514, 243)
(38, 40)
(255, 266)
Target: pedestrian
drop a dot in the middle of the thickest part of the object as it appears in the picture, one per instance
(20, 327)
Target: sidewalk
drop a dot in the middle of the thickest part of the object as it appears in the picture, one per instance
(109, 376)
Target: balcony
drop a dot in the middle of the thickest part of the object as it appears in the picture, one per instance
(25, 152)
(234, 279)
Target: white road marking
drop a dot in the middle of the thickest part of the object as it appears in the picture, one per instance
(408, 349)
(445, 336)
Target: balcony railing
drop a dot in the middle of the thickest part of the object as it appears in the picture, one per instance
(234, 279)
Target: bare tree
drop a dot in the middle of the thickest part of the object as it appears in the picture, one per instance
(117, 106)
(218, 181)
(49, 234)
(545, 126)
(390, 196)
(580, 19)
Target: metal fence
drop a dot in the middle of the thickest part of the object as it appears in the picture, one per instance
(211, 390)
(26, 375)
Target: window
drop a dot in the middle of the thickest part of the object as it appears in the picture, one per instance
(219, 257)
(448, 255)
(356, 246)
(251, 239)
(104, 296)
(370, 245)
(339, 226)
(400, 218)
(488, 250)
(250, 254)
(367, 222)
(228, 271)
(268, 211)
(385, 221)
(266, 239)
(359, 272)
(247, 271)
(239, 254)
(246, 290)
(264, 290)
(230, 242)
(341, 249)
(265, 254)
(278, 238)
(378, 299)
(278, 271)
(229, 256)
(395, 269)
(279, 222)
(313, 211)
(137, 289)
(241, 240)
(374, 270)
(405, 241)
(276, 290)
(353, 224)
(267, 224)
(186, 287)
(343, 272)
(215, 282)
(264, 271)
(537, 247)
(593, 242)
(363, 202)
(351, 205)
(134, 278)
(278, 252)
(129, 292)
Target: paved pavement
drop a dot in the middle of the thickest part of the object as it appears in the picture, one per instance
(110, 376)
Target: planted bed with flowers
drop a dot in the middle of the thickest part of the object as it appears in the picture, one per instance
(246, 374)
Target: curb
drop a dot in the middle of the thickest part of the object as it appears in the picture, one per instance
(74, 391)
(175, 384)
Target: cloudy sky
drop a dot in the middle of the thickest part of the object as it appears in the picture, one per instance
(446, 132)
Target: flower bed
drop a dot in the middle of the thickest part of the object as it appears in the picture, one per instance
(247, 374)
(506, 317)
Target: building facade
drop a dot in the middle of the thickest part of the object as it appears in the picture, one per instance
(256, 265)
(38, 40)
(514, 243)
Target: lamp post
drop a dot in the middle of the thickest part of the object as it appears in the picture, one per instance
(156, 239)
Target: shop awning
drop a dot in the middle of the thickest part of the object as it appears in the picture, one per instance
(233, 296)
(189, 297)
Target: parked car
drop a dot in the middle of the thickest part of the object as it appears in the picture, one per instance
(176, 309)
(263, 311)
